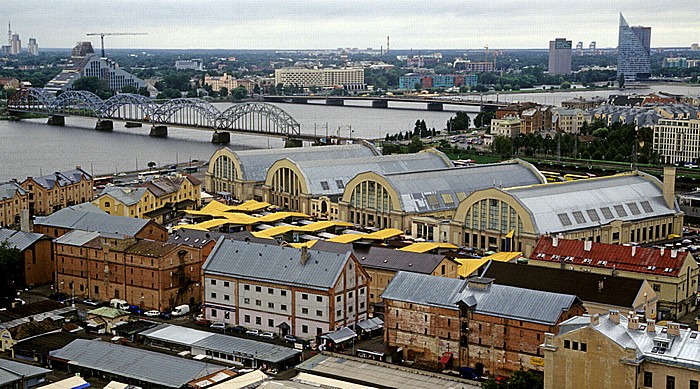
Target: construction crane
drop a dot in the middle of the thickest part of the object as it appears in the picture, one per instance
(102, 37)
(486, 55)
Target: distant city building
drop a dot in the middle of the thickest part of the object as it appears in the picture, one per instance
(680, 62)
(559, 56)
(508, 127)
(569, 120)
(229, 82)
(15, 45)
(350, 78)
(428, 81)
(592, 46)
(634, 48)
(33, 48)
(579, 46)
(461, 65)
(677, 140)
(85, 63)
(583, 103)
(195, 64)
(13, 200)
(694, 47)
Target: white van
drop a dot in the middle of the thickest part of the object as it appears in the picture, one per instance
(181, 310)
(119, 304)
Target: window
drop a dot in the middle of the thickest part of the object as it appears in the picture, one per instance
(304, 296)
(350, 309)
(648, 379)
(567, 344)
(350, 295)
(227, 297)
(283, 292)
(213, 313)
(324, 185)
(283, 307)
(258, 320)
(575, 346)
(246, 287)
(271, 305)
(226, 284)
(319, 312)
(362, 292)
(305, 311)
(339, 313)
(339, 184)
(246, 301)
(337, 298)
(670, 382)
(304, 329)
(693, 384)
(319, 299)
(362, 305)
(270, 291)
(213, 282)
(258, 302)
(656, 287)
(270, 322)
(584, 347)
(213, 295)
(258, 289)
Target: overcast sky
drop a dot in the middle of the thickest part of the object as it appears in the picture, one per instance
(326, 24)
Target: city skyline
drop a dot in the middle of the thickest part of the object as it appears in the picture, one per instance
(215, 24)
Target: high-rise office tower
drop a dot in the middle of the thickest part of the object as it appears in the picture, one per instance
(32, 47)
(559, 56)
(633, 52)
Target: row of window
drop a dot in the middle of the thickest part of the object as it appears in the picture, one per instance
(574, 345)
(670, 381)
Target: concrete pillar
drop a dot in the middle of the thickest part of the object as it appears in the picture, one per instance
(158, 131)
(104, 125)
(380, 104)
(433, 106)
(56, 121)
(293, 143)
(221, 138)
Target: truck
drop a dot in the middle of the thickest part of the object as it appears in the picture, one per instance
(181, 310)
(119, 304)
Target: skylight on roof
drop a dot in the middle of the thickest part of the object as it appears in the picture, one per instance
(620, 210)
(578, 216)
(607, 213)
(646, 206)
(593, 215)
(634, 208)
(564, 219)
(324, 185)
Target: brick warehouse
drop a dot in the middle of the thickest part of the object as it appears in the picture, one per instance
(443, 322)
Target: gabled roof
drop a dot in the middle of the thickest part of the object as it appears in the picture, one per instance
(131, 362)
(33, 328)
(9, 189)
(150, 248)
(646, 260)
(495, 300)
(77, 238)
(88, 220)
(193, 238)
(273, 263)
(254, 163)
(62, 178)
(581, 204)
(598, 288)
(126, 196)
(19, 239)
(108, 312)
(11, 371)
(443, 189)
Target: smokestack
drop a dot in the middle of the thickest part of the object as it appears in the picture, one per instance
(651, 325)
(633, 321)
(634, 250)
(614, 316)
(304, 255)
(673, 329)
(669, 185)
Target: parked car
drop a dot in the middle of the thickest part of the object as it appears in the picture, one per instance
(152, 313)
(92, 303)
(135, 309)
(239, 329)
(290, 338)
(218, 326)
(253, 332)
(202, 322)
(165, 315)
(59, 296)
(267, 335)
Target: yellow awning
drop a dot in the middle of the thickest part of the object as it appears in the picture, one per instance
(249, 206)
(510, 234)
(322, 225)
(469, 265)
(384, 234)
(504, 256)
(190, 227)
(274, 231)
(259, 234)
(308, 244)
(215, 206)
(277, 216)
(240, 218)
(424, 247)
(346, 238)
(212, 223)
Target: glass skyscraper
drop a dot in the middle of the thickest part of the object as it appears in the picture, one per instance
(633, 51)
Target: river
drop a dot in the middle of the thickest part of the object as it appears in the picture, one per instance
(32, 148)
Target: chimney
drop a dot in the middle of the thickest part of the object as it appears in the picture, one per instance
(673, 329)
(595, 319)
(651, 325)
(587, 245)
(662, 251)
(24, 222)
(674, 253)
(555, 241)
(601, 285)
(304, 255)
(669, 185)
(634, 250)
(633, 321)
(614, 316)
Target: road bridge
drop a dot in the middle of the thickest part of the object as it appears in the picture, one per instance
(256, 118)
(431, 103)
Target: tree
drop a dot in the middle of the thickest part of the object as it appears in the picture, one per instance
(11, 275)
(151, 165)
(483, 119)
(239, 93)
(90, 84)
(503, 146)
(256, 89)
(415, 145)
(223, 92)
(129, 89)
(621, 81)
(390, 148)
(458, 123)
(169, 93)
(520, 379)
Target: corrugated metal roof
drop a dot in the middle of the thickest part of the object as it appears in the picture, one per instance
(443, 189)
(258, 350)
(11, 371)
(254, 163)
(9, 189)
(19, 239)
(62, 178)
(132, 362)
(126, 196)
(496, 300)
(272, 263)
(81, 219)
(631, 196)
(77, 238)
(386, 258)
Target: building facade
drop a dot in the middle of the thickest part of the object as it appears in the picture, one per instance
(229, 82)
(677, 140)
(559, 56)
(284, 290)
(33, 47)
(444, 322)
(194, 64)
(48, 194)
(13, 200)
(508, 127)
(326, 78)
(633, 52)
(149, 274)
(569, 121)
(621, 351)
(36, 252)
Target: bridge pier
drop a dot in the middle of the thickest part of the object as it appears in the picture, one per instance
(159, 131)
(221, 138)
(380, 104)
(300, 101)
(132, 124)
(289, 143)
(104, 125)
(337, 102)
(432, 106)
(56, 120)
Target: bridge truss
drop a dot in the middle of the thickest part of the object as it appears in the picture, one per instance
(253, 117)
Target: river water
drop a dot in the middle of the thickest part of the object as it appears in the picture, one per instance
(32, 148)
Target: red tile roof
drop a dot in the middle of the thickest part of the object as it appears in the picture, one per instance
(664, 262)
